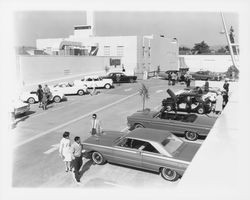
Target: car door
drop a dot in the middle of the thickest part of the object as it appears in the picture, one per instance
(169, 121)
(127, 152)
(152, 159)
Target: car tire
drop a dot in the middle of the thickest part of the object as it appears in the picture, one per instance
(80, 92)
(192, 136)
(200, 110)
(57, 99)
(139, 126)
(107, 86)
(168, 108)
(131, 80)
(31, 100)
(169, 174)
(97, 158)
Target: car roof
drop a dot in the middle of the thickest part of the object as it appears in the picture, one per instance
(149, 134)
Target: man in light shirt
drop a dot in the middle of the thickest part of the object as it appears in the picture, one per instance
(76, 150)
(95, 125)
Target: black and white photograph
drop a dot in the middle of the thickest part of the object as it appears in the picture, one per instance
(114, 102)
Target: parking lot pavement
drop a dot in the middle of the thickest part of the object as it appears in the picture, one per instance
(36, 162)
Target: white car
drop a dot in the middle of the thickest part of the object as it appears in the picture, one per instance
(19, 107)
(95, 81)
(68, 88)
(31, 97)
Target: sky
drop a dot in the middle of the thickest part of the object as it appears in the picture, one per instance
(188, 27)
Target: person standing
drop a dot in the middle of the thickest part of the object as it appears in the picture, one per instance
(64, 150)
(225, 99)
(173, 78)
(76, 153)
(219, 103)
(46, 90)
(39, 94)
(169, 79)
(226, 86)
(44, 101)
(95, 125)
(123, 69)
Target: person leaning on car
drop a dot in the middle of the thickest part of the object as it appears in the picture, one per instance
(76, 152)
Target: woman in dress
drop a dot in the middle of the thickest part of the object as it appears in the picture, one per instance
(219, 103)
(64, 150)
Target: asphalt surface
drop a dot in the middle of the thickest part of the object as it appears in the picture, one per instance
(36, 161)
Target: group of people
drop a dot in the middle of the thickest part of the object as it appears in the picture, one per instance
(72, 153)
(221, 98)
(174, 77)
(43, 95)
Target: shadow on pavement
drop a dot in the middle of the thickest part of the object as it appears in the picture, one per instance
(85, 167)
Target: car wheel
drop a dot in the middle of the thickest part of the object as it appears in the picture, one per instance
(139, 126)
(31, 100)
(192, 136)
(169, 174)
(57, 99)
(131, 80)
(107, 86)
(97, 158)
(80, 92)
(200, 110)
(168, 108)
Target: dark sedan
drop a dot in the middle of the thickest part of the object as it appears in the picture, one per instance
(206, 75)
(190, 125)
(187, 102)
(119, 77)
(150, 149)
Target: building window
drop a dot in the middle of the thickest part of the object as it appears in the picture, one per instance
(106, 51)
(149, 51)
(143, 49)
(120, 51)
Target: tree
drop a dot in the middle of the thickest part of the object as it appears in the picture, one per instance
(201, 48)
(232, 72)
(143, 92)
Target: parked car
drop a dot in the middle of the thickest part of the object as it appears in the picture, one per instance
(119, 77)
(191, 126)
(150, 149)
(32, 98)
(206, 75)
(97, 81)
(70, 88)
(187, 102)
(211, 94)
(19, 107)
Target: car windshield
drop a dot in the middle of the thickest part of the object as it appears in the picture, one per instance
(171, 143)
(178, 117)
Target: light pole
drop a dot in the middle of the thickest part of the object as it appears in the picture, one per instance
(228, 40)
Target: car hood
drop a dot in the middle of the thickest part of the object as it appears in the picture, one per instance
(187, 151)
(205, 120)
(144, 114)
(171, 94)
(107, 138)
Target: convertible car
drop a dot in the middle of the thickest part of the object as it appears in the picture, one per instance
(150, 149)
(189, 125)
(119, 77)
(187, 102)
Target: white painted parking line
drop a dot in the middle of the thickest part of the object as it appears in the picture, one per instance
(57, 108)
(128, 89)
(156, 107)
(159, 91)
(53, 148)
(73, 120)
(125, 129)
